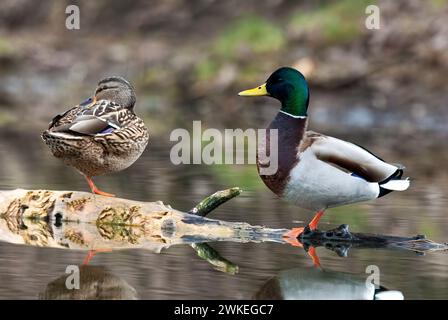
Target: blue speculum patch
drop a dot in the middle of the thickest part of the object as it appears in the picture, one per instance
(86, 102)
(108, 129)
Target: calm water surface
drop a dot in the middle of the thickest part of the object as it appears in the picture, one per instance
(178, 273)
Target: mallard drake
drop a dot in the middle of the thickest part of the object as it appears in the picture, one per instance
(101, 135)
(316, 171)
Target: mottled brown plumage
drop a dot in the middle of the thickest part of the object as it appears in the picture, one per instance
(102, 135)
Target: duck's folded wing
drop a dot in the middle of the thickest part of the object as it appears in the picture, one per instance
(351, 157)
(103, 117)
(63, 118)
(68, 116)
(90, 125)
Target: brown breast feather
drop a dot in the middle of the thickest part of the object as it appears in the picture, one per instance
(290, 133)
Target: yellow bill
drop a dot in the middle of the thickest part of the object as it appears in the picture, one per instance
(258, 91)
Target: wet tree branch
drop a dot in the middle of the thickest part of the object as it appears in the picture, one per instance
(204, 250)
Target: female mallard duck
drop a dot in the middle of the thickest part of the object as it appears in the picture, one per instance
(101, 135)
(316, 171)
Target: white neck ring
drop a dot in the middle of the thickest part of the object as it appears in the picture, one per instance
(297, 117)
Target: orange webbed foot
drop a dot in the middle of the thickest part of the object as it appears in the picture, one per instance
(95, 190)
(292, 235)
(102, 193)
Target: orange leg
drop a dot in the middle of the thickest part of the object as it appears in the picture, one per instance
(315, 221)
(96, 190)
(92, 253)
(313, 254)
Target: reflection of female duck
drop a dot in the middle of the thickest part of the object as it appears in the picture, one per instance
(96, 283)
(315, 284)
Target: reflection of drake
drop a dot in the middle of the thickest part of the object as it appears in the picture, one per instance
(315, 284)
(96, 283)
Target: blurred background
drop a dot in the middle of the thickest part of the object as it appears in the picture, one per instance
(384, 89)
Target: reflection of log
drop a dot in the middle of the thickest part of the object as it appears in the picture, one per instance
(212, 256)
(341, 241)
(79, 220)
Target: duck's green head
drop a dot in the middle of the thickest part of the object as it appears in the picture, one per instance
(289, 87)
